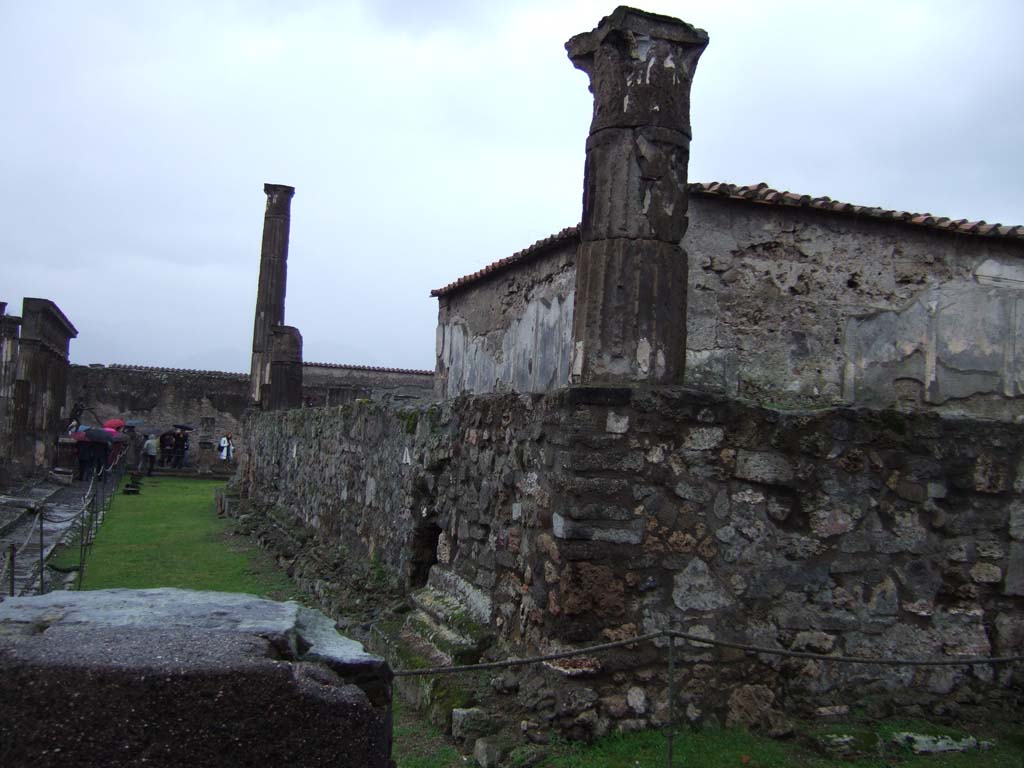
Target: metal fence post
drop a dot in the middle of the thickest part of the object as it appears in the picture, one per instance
(42, 555)
(13, 551)
(671, 698)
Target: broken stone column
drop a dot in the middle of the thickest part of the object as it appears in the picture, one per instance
(629, 321)
(273, 279)
(41, 382)
(284, 388)
(9, 331)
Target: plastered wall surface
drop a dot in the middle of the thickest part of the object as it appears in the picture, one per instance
(805, 307)
(786, 306)
(509, 333)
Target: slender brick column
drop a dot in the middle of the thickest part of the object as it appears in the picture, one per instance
(273, 279)
(631, 276)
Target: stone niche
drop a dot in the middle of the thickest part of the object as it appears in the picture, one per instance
(168, 677)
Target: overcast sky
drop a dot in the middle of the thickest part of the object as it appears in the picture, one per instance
(427, 139)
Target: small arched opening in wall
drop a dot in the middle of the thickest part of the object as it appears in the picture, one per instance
(423, 552)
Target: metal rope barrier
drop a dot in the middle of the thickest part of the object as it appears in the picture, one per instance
(897, 662)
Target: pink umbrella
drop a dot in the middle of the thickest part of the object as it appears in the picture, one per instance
(114, 424)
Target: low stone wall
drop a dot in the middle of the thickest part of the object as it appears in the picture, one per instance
(587, 514)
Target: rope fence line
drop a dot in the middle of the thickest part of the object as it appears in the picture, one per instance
(672, 650)
(760, 649)
(95, 504)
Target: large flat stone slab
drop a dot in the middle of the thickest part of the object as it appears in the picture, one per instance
(168, 677)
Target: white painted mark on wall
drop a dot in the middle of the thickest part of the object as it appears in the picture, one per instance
(643, 357)
(617, 425)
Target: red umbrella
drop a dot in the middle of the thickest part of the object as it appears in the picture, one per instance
(114, 424)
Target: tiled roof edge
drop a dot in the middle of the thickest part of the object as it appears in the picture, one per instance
(160, 369)
(764, 195)
(537, 249)
(371, 368)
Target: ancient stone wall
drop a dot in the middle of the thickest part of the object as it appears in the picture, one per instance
(841, 531)
(787, 306)
(334, 384)
(215, 402)
(589, 514)
(211, 401)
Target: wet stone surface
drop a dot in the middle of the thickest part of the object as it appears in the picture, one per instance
(181, 678)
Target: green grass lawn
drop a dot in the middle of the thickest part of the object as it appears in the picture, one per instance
(170, 536)
(420, 745)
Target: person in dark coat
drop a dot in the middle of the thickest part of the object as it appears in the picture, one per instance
(86, 459)
(179, 449)
(166, 449)
(102, 454)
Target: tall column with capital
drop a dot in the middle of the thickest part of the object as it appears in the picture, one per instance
(629, 323)
(273, 279)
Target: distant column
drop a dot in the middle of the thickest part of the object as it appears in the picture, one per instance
(273, 279)
(629, 322)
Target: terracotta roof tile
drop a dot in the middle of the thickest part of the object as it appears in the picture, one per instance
(371, 368)
(185, 371)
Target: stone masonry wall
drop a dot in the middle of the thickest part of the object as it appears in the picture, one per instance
(842, 531)
(590, 514)
(378, 480)
(790, 306)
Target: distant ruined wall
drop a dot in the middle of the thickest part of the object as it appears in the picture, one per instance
(590, 514)
(213, 402)
(331, 384)
(787, 306)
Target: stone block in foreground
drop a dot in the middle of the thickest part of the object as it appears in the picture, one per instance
(169, 677)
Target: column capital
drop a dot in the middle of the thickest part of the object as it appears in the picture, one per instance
(640, 66)
(279, 199)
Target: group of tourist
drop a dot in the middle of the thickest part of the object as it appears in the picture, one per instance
(174, 448)
(171, 449)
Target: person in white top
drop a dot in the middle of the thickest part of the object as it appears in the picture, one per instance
(227, 448)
